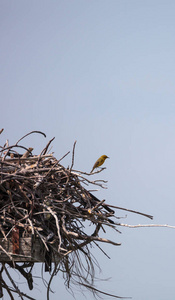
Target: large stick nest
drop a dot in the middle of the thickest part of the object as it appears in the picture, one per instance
(42, 198)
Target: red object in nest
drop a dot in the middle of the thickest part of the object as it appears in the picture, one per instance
(15, 240)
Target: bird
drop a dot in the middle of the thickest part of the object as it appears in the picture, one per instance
(99, 162)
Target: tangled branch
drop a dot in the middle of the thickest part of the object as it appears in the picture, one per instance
(46, 203)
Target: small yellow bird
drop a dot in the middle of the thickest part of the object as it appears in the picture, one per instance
(99, 162)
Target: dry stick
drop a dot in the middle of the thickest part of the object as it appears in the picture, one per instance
(35, 131)
(1, 291)
(27, 153)
(98, 204)
(3, 233)
(104, 293)
(6, 143)
(12, 290)
(16, 145)
(96, 182)
(65, 232)
(81, 245)
(89, 174)
(44, 151)
(10, 147)
(57, 223)
(28, 159)
(12, 203)
(13, 283)
(49, 169)
(130, 210)
(146, 225)
(75, 246)
(63, 156)
(99, 220)
(8, 162)
(41, 179)
(42, 239)
(6, 152)
(10, 230)
(11, 258)
(73, 152)
(50, 280)
(90, 238)
(101, 250)
(26, 275)
(31, 224)
(7, 288)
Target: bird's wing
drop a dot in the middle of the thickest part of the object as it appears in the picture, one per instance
(95, 165)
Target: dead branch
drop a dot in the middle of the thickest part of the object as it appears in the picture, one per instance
(73, 153)
(132, 211)
(35, 131)
(146, 225)
(104, 293)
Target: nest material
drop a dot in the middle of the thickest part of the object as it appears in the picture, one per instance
(42, 198)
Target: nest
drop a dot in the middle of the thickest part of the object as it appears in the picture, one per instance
(42, 199)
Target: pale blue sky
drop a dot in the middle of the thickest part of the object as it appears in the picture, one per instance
(102, 73)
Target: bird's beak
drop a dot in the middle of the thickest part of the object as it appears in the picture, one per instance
(108, 157)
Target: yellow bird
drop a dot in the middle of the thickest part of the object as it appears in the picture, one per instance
(99, 162)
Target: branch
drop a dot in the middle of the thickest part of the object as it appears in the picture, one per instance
(104, 293)
(1, 130)
(130, 210)
(73, 153)
(146, 225)
(44, 151)
(35, 131)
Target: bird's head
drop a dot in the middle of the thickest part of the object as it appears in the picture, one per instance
(105, 156)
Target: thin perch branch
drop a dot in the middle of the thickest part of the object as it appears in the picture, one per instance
(146, 225)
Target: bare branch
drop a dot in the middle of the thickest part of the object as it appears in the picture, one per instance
(73, 153)
(146, 225)
(132, 211)
(35, 131)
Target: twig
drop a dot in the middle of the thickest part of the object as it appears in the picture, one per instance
(13, 283)
(44, 151)
(35, 131)
(7, 253)
(73, 153)
(96, 182)
(63, 156)
(28, 159)
(146, 225)
(57, 224)
(50, 280)
(104, 293)
(130, 210)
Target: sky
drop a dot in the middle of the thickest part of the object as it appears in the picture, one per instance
(101, 73)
